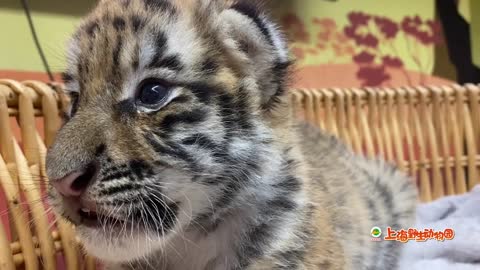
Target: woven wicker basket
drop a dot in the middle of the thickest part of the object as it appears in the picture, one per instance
(34, 240)
(432, 133)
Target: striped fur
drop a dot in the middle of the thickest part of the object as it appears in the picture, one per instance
(222, 176)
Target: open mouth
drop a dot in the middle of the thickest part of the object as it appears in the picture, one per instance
(93, 219)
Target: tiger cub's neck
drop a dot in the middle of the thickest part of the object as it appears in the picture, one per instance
(266, 219)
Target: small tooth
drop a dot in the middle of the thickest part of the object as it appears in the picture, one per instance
(86, 210)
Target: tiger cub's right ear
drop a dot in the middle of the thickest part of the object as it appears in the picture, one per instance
(261, 47)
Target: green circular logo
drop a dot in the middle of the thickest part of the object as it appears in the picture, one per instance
(376, 232)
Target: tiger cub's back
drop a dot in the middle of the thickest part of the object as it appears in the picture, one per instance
(359, 194)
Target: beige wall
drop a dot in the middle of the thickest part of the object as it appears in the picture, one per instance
(54, 21)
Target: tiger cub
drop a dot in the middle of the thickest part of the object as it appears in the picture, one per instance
(180, 150)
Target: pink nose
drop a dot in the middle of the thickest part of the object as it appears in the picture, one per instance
(74, 184)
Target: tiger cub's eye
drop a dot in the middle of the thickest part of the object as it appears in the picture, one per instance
(152, 94)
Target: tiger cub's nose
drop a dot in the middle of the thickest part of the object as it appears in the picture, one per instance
(75, 183)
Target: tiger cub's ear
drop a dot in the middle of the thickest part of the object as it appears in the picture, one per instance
(259, 48)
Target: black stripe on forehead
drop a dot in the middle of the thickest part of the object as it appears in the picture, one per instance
(160, 5)
(119, 23)
(117, 51)
(159, 60)
(92, 27)
(171, 62)
(137, 23)
(136, 57)
(116, 69)
(253, 13)
(125, 3)
(160, 43)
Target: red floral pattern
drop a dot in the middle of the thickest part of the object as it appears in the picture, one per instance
(328, 37)
(296, 28)
(359, 18)
(373, 36)
(373, 75)
(364, 57)
(367, 39)
(387, 27)
(427, 32)
(392, 61)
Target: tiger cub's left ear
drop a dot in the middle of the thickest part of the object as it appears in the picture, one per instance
(259, 47)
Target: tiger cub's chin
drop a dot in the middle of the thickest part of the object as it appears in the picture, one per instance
(115, 247)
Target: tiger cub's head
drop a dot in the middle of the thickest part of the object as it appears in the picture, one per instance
(174, 107)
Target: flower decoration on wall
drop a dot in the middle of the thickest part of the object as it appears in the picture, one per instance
(375, 50)
(378, 45)
(327, 37)
(427, 32)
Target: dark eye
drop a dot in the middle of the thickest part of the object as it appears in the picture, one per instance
(152, 94)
